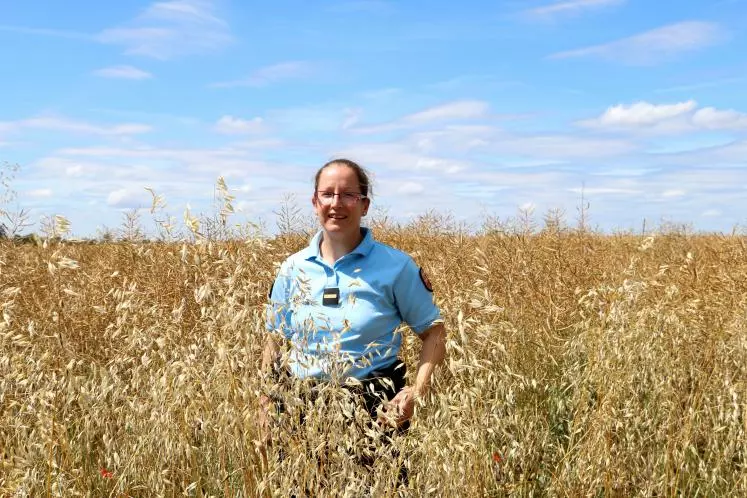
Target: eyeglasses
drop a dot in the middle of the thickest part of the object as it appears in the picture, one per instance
(347, 198)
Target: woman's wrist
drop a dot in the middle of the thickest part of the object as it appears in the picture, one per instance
(419, 390)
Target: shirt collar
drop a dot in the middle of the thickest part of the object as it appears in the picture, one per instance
(365, 246)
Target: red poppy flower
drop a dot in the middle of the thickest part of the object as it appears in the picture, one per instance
(497, 457)
(106, 474)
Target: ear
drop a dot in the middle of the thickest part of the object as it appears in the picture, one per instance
(366, 205)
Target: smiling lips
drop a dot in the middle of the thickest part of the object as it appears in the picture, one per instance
(337, 216)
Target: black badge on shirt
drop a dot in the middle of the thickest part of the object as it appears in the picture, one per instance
(331, 296)
(425, 280)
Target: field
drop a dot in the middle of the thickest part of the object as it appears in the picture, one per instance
(578, 364)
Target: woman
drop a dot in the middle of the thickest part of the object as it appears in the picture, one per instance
(340, 302)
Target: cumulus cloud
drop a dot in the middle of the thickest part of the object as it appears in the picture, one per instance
(123, 72)
(654, 46)
(667, 118)
(169, 29)
(643, 113)
(713, 119)
(231, 125)
(271, 74)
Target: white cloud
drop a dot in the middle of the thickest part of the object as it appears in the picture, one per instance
(230, 125)
(450, 111)
(127, 198)
(712, 119)
(39, 193)
(169, 29)
(352, 116)
(272, 74)
(164, 30)
(123, 72)
(667, 118)
(395, 155)
(673, 193)
(177, 164)
(464, 109)
(75, 170)
(625, 172)
(604, 191)
(571, 7)
(56, 123)
(654, 46)
(711, 213)
(560, 147)
(410, 188)
(643, 113)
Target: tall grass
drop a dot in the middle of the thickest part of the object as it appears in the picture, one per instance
(578, 364)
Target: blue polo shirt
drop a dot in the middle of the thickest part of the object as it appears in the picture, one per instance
(380, 288)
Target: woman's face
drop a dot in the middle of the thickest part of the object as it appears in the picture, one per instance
(340, 213)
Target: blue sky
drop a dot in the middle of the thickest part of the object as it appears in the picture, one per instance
(469, 108)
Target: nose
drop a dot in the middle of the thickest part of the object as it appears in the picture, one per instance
(337, 200)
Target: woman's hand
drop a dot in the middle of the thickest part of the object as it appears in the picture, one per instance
(400, 409)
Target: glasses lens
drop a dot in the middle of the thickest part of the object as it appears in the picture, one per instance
(326, 198)
(347, 198)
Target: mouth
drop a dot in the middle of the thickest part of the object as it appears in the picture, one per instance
(337, 216)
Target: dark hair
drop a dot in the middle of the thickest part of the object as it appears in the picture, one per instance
(360, 172)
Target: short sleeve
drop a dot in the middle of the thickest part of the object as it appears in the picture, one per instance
(413, 295)
(278, 314)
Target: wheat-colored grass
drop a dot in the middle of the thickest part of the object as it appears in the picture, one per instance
(577, 365)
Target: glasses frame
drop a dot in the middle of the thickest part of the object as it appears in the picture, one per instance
(328, 202)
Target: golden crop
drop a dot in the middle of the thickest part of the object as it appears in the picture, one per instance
(577, 365)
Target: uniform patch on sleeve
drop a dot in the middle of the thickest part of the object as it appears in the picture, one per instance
(425, 280)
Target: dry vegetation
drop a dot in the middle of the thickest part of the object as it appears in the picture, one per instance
(578, 365)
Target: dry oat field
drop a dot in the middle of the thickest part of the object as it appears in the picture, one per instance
(578, 364)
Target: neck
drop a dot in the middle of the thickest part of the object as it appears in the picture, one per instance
(333, 247)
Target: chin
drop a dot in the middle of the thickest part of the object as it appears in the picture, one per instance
(337, 227)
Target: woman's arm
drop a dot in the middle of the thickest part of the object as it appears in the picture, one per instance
(432, 353)
(270, 355)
